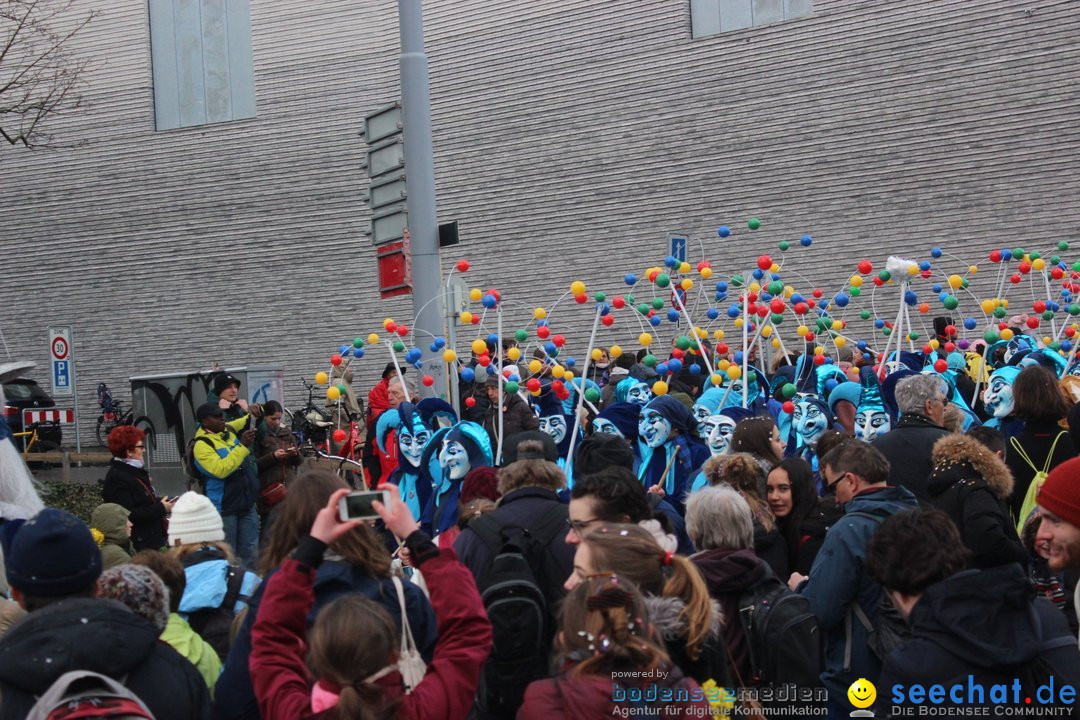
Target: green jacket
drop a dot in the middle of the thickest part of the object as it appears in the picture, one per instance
(179, 635)
(110, 520)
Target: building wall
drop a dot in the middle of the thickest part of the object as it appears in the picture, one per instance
(571, 138)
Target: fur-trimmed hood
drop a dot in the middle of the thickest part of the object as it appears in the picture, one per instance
(958, 456)
(666, 613)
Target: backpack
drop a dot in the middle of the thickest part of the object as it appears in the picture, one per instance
(520, 618)
(196, 480)
(86, 694)
(782, 635)
(1037, 481)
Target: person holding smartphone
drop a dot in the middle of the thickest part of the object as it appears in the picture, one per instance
(277, 457)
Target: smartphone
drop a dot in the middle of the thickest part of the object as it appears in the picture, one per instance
(357, 505)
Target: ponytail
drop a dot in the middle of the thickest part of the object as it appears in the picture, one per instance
(686, 583)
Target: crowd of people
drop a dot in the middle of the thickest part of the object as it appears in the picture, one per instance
(663, 546)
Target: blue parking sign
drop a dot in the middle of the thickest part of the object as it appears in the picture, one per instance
(61, 374)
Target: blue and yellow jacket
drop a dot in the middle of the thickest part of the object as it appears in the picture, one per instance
(230, 484)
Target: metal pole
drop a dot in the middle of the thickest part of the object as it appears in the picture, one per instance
(420, 180)
(580, 399)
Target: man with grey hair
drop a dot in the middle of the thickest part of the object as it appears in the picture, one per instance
(909, 446)
(720, 525)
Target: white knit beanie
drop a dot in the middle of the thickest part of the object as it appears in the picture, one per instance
(194, 520)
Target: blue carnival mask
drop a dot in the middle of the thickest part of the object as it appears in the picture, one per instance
(871, 418)
(555, 426)
(653, 428)
(639, 394)
(454, 459)
(720, 430)
(706, 406)
(810, 421)
(411, 444)
(998, 397)
(603, 425)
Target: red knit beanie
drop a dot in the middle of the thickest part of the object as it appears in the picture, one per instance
(1060, 493)
(481, 482)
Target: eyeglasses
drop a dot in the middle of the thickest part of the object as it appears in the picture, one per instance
(832, 483)
(140, 447)
(578, 526)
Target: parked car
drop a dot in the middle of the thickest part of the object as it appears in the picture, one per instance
(24, 394)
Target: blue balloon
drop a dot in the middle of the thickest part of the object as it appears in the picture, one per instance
(935, 252)
(490, 301)
(695, 369)
(493, 338)
(712, 313)
(542, 323)
(346, 352)
(758, 274)
(440, 341)
(936, 288)
(970, 323)
(671, 261)
(910, 297)
(467, 374)
(1006, 254)
(842, 300)
(925, 264)
(630, 278)
(655, 320)
(570, 361)
(830, 384)
(765, 297)
(797, 298)
(605, 309)
(674, 364)
(733, 311)
(433, 347)
(943, 296)
(721, 287)
(738, 358)
(418, 365)
(491, 370)
(805, 240)
(358, 352)
(861, 344)
(879, 323)
(1066, 345)
(662, 368)
(673, 315)
(550, 348)
(723, 231)
(344, 349)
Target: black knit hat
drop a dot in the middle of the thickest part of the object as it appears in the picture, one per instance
(53, 555)
(223, 381)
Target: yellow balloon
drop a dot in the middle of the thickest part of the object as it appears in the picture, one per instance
(775, 342)
(701, 332)
(644, 339)
(614, 351)
(577, 287)
(372, 339)
(788, 291)
(738, 323)
(734, 372)
(1006, 334)
(766, 331)
(973, 269)
(706, 272)
(479, 346)
(332, 393)
(1038, 264)
(840, 341)
(1004, 303)
(535, 366)
(684, 267)
(723, 365)
(955, 281)
(774, 268)
(476, 294)
(659, 388)
(837, 325)
(568, 375)
(596, 354)
(1047, 339)
(514, 354)
(818, 350)
(386, 323)
(855, 281)
(716, 379)
(913, 269)
(321, 378)
(987, 306)
(539, 313)
(449, 356)
(718, 334)
(934, 343)
(687, 283)
(557, 371)
(802, 330)
(466, 317)
(755, 287)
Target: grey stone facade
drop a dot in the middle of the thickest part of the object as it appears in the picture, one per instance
(571, 137)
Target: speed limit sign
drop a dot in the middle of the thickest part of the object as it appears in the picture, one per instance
(63, 361)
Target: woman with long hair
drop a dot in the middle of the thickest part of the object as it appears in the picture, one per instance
(608, 653)
(358, 563)
(791, 497)
(759, 436)
(354, 649)
(686, 618)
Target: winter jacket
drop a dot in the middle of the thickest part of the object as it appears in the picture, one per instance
(523, 508)
(730, 573)
(234, 697)
(110, 520)
(230, 483)
(690, 455)
(448, 689)
(812, 532)
(588, 697)
(839, 578)
(665, 613)
(909, 447)
(1036, 439)
(971, 485)
(103, 636)
(986, 624)
(271, 469)
(180, 637)
(769, 546)
(517, 417)
(131, 487)
(203, 605)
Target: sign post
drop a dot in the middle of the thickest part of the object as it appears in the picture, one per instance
(62, 354)
(678, 246)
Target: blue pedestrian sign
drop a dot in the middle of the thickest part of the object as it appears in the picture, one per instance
(678, 247)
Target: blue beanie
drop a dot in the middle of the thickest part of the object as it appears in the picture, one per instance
(623, 416)
(845, 391)
(53, 555)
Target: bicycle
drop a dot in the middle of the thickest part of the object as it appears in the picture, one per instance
(112, 414)
(34, 445)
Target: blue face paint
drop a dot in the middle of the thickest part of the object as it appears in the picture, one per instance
(603, 425)
(454, 460)
(653, 428)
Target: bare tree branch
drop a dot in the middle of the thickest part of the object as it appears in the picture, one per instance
(39, 76)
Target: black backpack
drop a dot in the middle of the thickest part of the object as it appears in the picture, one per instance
(214, 625)
(782, 635)
(196, 480)
(521, 619)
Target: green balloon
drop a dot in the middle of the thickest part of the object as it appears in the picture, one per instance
(1063, 246)
(1035, 255)
(592, 395)
(658, 303)
(783, 245)
(1055, 346)
(521, 335)
(777, 318)
(662, 280)
(751, 377)
(886, 330)
(629, 299)
(553, 353)
(885, 275)
(683, 342)
(1054, 260)
(341, 388)
(991, 336)
(775, 287)
(1076, 266)
(358, 342)
(789, 390)
(600, 297)
(399, 346)
(951, 302)
(511, 386)
(753, 223)
(737, 280)
(1018, 253)
(1049, 314)
(649, 361)
(1074, 309)
(865, 314)
(643, 308)
(855, 291)
(999, 312)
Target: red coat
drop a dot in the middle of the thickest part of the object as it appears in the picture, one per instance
(279, 646)
(592, 697)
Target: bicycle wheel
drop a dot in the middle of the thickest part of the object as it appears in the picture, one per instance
(102, 431)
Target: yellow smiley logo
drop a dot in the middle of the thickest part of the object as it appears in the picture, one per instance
(862, 693)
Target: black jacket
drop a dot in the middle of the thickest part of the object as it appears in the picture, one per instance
(908, 448)
(103, 636)
(812, 532)
(971, 485)
(1036, 439)
(131, 487)
(983, 623)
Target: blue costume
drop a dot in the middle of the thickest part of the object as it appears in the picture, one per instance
(670, 451)
(458, 449)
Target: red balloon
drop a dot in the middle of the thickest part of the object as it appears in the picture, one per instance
(475, 320)
(950, 347)
(462, 266)
(926, 349)
(995, 256)
(677, 353)
(559, 341)
(1039, 306)
(470, 402)
(950, 331)
(532, 384)
(340, 435)
(764, 262)
(1024, 267)
(1070, 331)
(581, 299)
(818, 293)
(608, 320)
(494, 293)
(926, 273)
(762, 311)
(402, 330)
(819, 359)
(878, 281)
(1057, 273)
(1014, 279)
(866, 267)
(652, 275)
(618, 302)
(428, 381)
(777, 306)
(335, 359)
(543, 332)
(722, 349)
(484, 359)
(810, 337)
(941, 366)
(789, 407)
(557, 385)
(800, 308)
(1033, 322)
